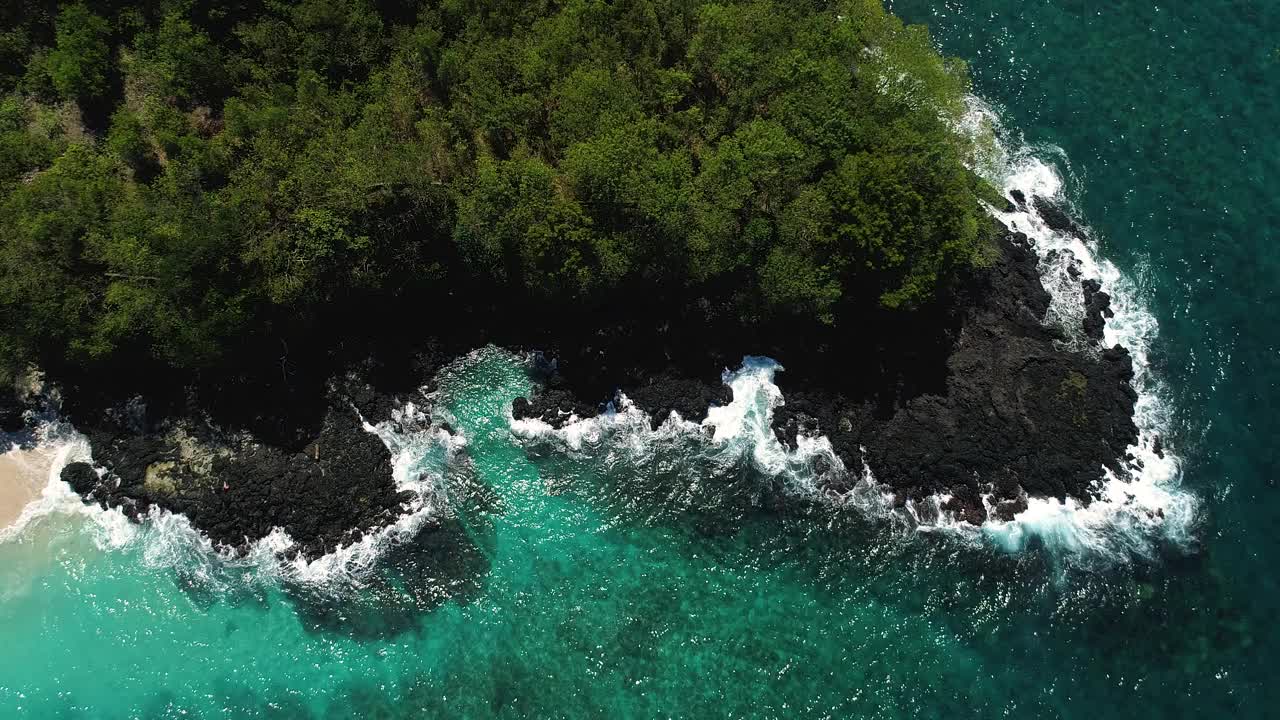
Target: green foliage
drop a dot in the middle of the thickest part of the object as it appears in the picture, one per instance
(50, 222)
(176, 62)
(298, 254)
(255, 163)
(904, 216)
(590, 100)
(78, 64)
(24, 143)
(517, 222)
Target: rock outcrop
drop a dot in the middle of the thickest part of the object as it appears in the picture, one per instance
(237, 489)
(659, 395)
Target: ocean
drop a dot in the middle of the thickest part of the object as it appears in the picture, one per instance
(609, 570)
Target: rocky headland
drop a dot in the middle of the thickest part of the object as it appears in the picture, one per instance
(990, 401)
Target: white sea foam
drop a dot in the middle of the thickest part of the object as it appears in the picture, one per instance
(1147, 504)
(739, 430)
(745, 427)
(1134, 512)
(420, 457)
(419, 461)
(731, 436)
(58, 444)
(619, 419)
(1144, 507)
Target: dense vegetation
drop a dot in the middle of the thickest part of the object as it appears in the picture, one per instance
(179, 175)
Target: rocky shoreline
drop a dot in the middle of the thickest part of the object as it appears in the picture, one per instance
(237, 489)
(1020, 416)
(1020, 412)
(981, 402)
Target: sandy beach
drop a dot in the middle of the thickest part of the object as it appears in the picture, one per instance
(23, 476)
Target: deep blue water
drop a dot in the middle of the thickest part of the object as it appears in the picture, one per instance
(1170, 116)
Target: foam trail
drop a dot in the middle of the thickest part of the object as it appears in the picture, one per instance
(744, 427)
(420, 456)
(60, 445)
(576, 435)
(1132, 513)
(419, 460)
(739, 430)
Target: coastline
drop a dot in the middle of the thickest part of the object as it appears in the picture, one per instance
(983, 408)
(1012, 414)
(1011, 394)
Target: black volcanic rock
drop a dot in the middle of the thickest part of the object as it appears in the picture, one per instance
(1013, 414)
(1054, 216)
(81, 477)
(554, 404)
(659, 394)
(16, 409)
(672, 391)
(973, 397)
(237, 489)
(337, 488)
(11, 414)
(1097, 308)
(1019, 412)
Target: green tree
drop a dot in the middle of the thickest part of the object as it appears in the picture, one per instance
(249, 167)
(80, 61)
(904, 217)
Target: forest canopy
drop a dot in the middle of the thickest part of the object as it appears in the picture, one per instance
(175, 174)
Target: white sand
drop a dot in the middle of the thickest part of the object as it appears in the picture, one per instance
(23, 477)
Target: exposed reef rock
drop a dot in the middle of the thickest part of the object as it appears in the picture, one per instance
(11, 413)
(1097, 308)
(1054, 216)
(1020, 415)
(20, 404)
(1018, 411)
(671, 391)
(554, 403)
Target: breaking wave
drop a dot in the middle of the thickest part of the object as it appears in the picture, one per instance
(697, 466)
(1147, 505)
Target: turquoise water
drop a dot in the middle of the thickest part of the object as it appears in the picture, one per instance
(648, 575)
